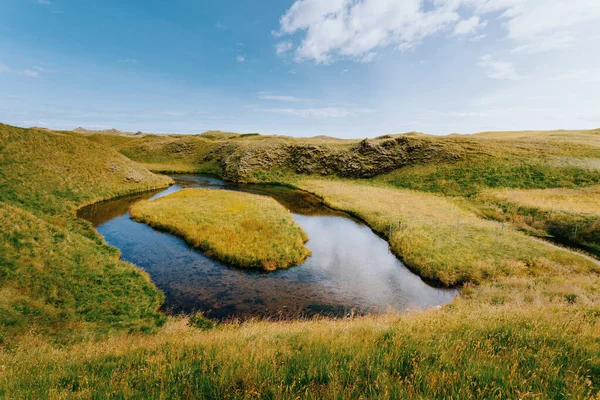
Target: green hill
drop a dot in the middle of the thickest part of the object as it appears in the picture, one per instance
(56, 275)
(460, 165)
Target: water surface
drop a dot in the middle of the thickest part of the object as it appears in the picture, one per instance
(351, 269)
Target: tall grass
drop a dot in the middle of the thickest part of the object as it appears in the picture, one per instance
(468, 353)
(241, 229)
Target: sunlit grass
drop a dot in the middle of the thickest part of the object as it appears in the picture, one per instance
(569, 215)
(56, 276)
(442, 240)
(241, 229)
(545, 352)
(582, 201)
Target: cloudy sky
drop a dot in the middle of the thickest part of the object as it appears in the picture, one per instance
(351, 68)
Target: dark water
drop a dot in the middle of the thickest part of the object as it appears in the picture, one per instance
(351, 269)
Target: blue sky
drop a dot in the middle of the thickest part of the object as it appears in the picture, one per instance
(350, 68)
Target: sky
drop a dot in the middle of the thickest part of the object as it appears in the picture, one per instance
(347, 68)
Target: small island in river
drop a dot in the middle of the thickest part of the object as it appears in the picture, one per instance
(240, 229)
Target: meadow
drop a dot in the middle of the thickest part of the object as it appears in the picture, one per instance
(57, 278)
(442, 240)
(240, 229)
(570, 216)
(526, 325)
(460, 352)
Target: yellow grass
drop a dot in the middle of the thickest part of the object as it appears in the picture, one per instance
(443, 241)
(241, 229)
(583, 200)
(588, 137)
(468, 353)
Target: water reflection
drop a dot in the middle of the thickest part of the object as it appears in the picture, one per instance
(351, 268)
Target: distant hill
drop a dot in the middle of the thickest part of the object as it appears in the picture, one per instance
(113, 131)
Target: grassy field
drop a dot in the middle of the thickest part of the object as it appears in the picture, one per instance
(442, 240)
(567, 215)
(241, 229)
(527, 323)
(56, 276)
(492, 352)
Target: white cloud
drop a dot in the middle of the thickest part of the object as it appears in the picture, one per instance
(324, 112)
(4, 68)
(267, 96)
(469, 26)
(240, 59)
(539, 25)
(338, 29)
(356, 30)
(43, 69)
(30, 73)
(283, 47)
(496, 69)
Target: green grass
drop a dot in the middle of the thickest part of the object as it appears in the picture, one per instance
(241, 229)
(79, 323)
(52, 174)
(570, 216)
(56, 276)
(490, 352)
(470, 178)
(59, 283)
(441, 240)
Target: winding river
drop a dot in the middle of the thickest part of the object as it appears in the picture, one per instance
(351, 269)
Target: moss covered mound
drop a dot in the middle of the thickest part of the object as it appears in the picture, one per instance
(240, 229)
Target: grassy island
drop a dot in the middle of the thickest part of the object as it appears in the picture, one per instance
(241, 229)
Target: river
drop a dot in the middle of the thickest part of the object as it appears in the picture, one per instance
(351, 269)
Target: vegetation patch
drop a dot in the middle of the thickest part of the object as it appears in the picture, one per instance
(488, 352)
(471, 177)
(442, 240)
(568, 215)
(57, 278)
(241, 229)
